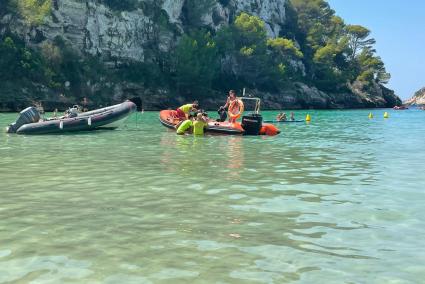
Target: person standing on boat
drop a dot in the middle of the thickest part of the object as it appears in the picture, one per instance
(183, 112)
(234, 105)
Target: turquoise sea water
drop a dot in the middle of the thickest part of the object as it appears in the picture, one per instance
(340, 200)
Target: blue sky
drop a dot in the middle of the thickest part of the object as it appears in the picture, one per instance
(399, 28)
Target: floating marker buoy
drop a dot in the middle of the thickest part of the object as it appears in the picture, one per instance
(370, 115)
(386, 115)
(61, 124)
(308, 118)
(89, 121)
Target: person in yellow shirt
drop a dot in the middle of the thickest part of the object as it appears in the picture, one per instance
(199, 124)
(182, 112)
(184, 126)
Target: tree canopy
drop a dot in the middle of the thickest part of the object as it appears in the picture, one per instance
(335, 53)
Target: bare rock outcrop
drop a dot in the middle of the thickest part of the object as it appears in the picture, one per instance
(417, 99)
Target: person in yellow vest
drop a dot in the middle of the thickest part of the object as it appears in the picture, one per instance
(184, 126)
(182, 112)
(199, 124)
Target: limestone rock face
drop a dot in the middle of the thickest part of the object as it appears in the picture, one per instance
(96, 29)
(173, 8)
(91, 27)
(271, 11)
(418, 98)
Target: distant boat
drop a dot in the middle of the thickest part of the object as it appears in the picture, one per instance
(400, 108)
(111, 117)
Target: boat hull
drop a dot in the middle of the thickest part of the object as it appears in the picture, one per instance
(167, 118)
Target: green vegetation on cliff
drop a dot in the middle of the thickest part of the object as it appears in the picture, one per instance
(319, 50)
(315, 47)
(336, 53)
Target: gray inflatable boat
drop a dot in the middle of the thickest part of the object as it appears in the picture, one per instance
(111, 117)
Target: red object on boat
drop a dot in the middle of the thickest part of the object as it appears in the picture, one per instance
(169, 119)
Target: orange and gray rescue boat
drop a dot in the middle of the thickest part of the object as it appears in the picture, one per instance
(251, 124)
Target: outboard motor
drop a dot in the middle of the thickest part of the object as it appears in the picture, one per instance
(28, 115)
(252, 124)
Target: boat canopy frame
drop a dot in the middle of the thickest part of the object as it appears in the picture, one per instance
(249, 98)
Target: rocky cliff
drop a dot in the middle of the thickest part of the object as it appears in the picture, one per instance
(94, 28)
(417, 99)
(147, 31)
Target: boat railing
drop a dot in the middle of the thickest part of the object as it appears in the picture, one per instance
(251, 98)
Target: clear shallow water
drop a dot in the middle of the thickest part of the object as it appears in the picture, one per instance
(340, 200)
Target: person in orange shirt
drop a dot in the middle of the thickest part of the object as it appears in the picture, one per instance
(234, 105)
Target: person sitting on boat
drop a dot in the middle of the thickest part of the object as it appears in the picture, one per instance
(199, 124)
(281, 117)
(234, 105)
(55, 113)
(292, 116)
(183, 112)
